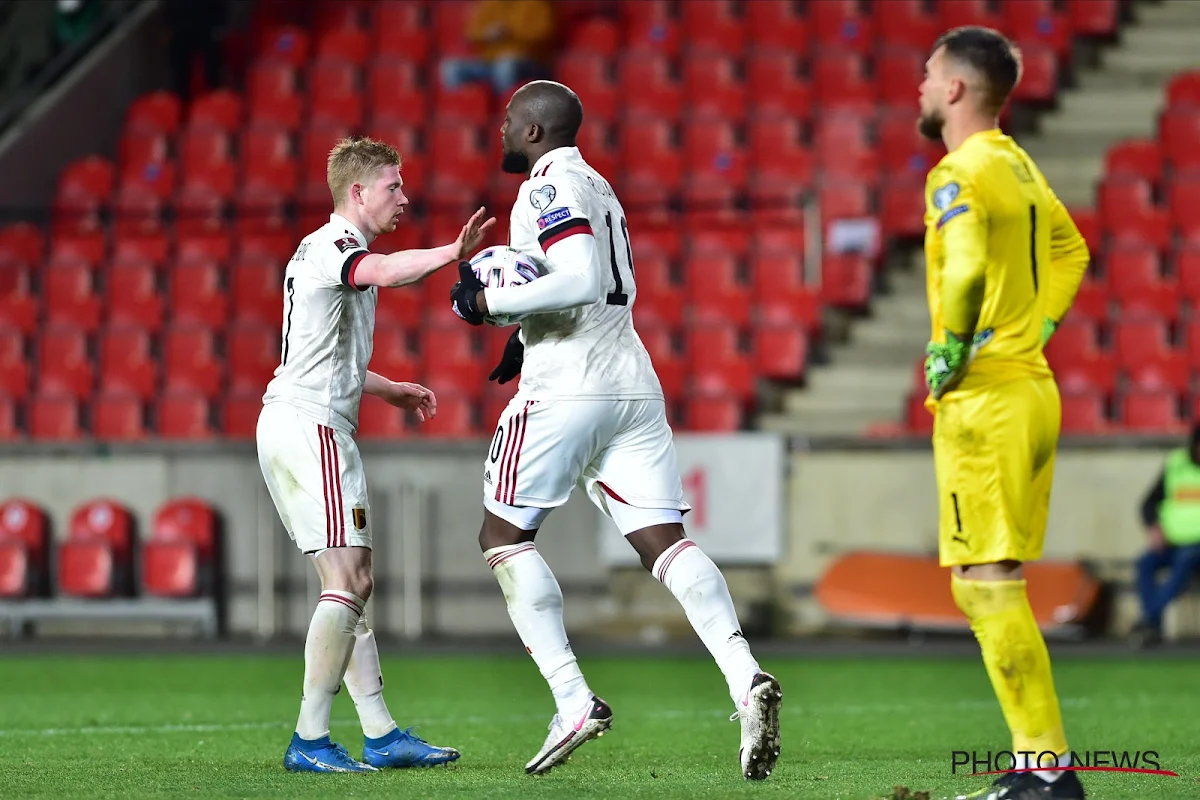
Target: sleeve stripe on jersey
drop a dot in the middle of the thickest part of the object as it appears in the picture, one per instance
(348, 267)
(557, 233)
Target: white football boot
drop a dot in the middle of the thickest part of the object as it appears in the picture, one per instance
(758, 711)
(568, 734)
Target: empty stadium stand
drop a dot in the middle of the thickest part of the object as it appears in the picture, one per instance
(149, 305)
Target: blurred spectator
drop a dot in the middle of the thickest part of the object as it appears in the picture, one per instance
(193, 26)
(74, 20)
(510, 42)
(1171, 514)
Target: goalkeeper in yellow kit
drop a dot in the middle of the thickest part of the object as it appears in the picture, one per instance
(1004, 261)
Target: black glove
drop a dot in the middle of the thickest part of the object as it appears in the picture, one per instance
(512, 360)
(463, 295)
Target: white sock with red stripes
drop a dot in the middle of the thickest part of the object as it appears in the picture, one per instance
(535, 604)
(364, 681)
(701, 589)
(326, 654)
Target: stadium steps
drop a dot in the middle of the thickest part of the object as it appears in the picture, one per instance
(864, 376)
(1119, 100)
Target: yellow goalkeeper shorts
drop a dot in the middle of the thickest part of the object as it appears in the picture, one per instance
(993, 450)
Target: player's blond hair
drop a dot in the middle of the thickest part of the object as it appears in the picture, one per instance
(356, 160)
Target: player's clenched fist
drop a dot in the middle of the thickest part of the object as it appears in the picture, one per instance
(464, 296)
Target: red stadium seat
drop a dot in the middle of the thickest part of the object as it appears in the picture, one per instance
(170, 569)
(450, 359)
(127, 363)
(900, 71)
(221, 109)
(158, 111)
(777, 151)
(648, 87)
(717, 362)
(1134, 158)
(843, 147)
(777, 84)
(455, 418)
(288, 44)
(1038, 21)
(653, 155)
(132, 296)
(256, 290)
(713, 88)
(183, 416)
(649, 27)
(449, 21)
(103, 520)
(1178, 131)
(92, 175)
(1187, 268)
(239, 414)
(26, 524)
(14, 367)
(1183, 91)
(715, 292)
(1144, 351)
(396, 92)
(1083, 413)
(267, 158)
(592, 76)
(14, 569)
(777, 25)
(76, 248)
(200, 209)
(64, 364)
(316, 141)
(1149, 411)
(906, 23)
(253, 353)
(392, 355)
(18, 302)
(380, 420)
(71, 296)
(463, 163)
(1075, 356)
(1085, 220)
(55, 417)
(1125, 204)
(1099, 18)
(900, 214)
(1183, 200)
(841, 24)
(197, 294)
(841, 82)
(343, 44)
(780, 351)
(1039, 78)
(202, 248)
(86, 569)
(669, 363)
(190, 361)
(713, 150)
(846, 280)
(272, 94)
(902, 150)
(22, 243)
(206, 159)
(187, 519)
(1130, 267)
(594, 35)
(715, 27)
(712, 412)
(469, 103)
(400, 30)
(150, 249)
(957, 13)
(118, 417)
(138, 210)
(334, 93)
(9, 430)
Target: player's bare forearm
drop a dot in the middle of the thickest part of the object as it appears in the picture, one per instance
(404, 267)
(376, 384)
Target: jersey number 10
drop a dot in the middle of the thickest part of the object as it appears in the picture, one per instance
(618, 297)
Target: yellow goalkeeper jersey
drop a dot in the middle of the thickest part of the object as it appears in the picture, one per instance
(990, 212)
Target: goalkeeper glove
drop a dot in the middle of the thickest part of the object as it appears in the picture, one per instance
(945, 364)
(512, 360)
(464, 294)
(1049, 326)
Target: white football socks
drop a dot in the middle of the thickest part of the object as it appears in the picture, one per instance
(326, 653)
(1034, 761)
(364, 681)
(701, 589)
(535, 604)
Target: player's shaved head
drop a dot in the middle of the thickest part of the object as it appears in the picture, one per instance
(541, 116)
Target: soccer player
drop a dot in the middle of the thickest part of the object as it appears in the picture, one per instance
(309, 459)
(589, 411)
(1004, 261)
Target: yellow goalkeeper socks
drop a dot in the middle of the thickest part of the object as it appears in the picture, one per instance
(1017, 662)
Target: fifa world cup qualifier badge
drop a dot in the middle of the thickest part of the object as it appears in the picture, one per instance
(543, 197)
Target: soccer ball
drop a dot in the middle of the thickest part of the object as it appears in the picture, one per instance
(503, 266)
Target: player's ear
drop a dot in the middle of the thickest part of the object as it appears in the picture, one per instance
(956, 91)
(534, 133)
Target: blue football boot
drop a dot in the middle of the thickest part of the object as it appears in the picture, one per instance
(320, 755)
(403, 748)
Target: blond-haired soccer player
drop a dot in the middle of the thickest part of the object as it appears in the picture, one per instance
(1004, 261)
(309, 459)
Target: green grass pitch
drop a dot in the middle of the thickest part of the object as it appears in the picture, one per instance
(217, 725)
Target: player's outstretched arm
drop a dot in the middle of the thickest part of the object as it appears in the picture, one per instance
(1069, 258)
(573, 282)
(410, 266)
(409, 396)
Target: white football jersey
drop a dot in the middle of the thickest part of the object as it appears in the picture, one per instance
(328, 325)
(592, 351)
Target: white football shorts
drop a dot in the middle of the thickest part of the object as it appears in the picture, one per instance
(315, 476)
(620, 452)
